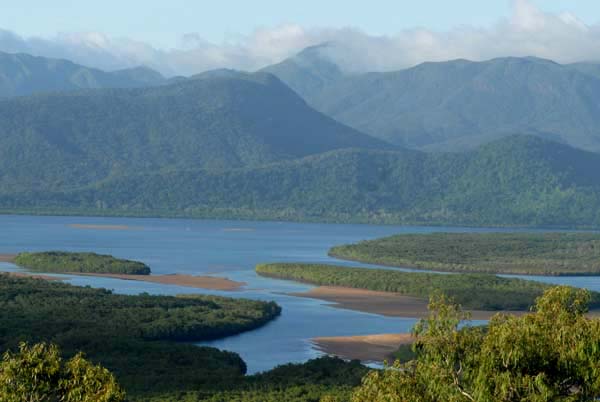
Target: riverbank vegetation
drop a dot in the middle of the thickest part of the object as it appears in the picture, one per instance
(132, 336)
(65, 262)
(502, 253)
(472, 291)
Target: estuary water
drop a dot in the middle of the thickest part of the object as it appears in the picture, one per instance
(229, 249)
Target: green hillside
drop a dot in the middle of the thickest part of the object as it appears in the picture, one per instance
(22, 74)
(519, 180)
(64, 141)
(454, 105)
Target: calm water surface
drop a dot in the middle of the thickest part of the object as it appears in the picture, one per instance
(229, 249)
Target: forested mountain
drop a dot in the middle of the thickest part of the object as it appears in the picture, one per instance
(455, 105)
(309, 72)
(23, 74)
(519, 180)
(62, 141)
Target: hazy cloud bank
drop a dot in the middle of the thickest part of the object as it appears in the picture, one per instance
(529, 31)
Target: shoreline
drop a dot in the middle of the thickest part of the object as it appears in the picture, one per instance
(233, 217)
(383, 303)
(366, 348)
(191, 281)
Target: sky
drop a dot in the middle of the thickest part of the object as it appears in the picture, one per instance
(186, 37)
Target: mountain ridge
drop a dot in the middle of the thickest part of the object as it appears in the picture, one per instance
(22, 74)
(83, 136)
(458, 104)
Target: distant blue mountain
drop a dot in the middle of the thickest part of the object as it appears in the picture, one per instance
(23, 74)
(454, 105)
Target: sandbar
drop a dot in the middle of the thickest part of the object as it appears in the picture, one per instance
(366, 348)
(382, 303)
(201, 282)
(7, 257)
(100, 227)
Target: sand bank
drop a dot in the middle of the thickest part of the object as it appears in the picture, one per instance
(100, 227)
(7, 257)
(201, 282)
(366, 348)
(384, 303)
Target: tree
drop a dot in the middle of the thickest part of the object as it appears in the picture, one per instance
(38, 374)
(550, 354)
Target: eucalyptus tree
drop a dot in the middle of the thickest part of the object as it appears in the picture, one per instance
(549, 354)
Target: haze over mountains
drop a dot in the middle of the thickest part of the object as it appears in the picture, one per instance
(233, 144)
(454, 105)
(23, 74)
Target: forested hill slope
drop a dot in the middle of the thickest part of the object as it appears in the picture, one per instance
(519, 180)
(58, 141)
(455, 105)
(22, 74)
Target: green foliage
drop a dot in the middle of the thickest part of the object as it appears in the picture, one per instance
(551, 354)
(37, 373)
(66, 141)
(502, 253)
(516, 181)
(60, 261)
(472, 291)
(133, 336)
(405, 353)
(453, 105)
(307, 382)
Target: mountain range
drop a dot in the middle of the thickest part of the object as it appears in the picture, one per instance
(63, 140)
(23, 74)
(454, 105)
(245, 145)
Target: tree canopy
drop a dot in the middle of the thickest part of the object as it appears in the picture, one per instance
(37, 373)
(551, 354)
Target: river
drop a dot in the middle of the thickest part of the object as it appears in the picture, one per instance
(229, 249)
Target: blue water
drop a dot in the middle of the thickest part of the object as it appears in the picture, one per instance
(230, 249)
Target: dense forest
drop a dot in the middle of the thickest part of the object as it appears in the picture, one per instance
(472, 291)
(307, 382)
(67, 262)
(550, 354)
(136, 337)
(501, 253)
(516, 181)
(64, 141)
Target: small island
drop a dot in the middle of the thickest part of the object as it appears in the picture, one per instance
(494, 253)
(68, 262)
(409, 291)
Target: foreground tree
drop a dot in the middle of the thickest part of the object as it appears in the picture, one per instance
(38, 374)
(551, 354)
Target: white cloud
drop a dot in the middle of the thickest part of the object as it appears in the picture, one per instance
(529, 31)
